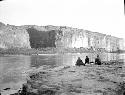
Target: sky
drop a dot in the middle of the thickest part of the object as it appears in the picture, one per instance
(103, 16)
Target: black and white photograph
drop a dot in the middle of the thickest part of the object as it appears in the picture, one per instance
(62, 47)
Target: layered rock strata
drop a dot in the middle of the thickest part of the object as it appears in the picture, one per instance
(32, 36)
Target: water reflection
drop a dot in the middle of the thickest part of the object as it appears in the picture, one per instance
(70, 59)
(12, 68)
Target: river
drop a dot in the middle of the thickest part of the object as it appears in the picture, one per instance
(12, 67)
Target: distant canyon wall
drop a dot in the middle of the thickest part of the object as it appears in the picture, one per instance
(13, 37)
(32, 36)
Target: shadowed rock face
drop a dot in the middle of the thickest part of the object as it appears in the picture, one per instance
(41, 39)
(55, 36)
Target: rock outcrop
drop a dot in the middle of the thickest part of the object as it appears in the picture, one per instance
(13, 37)
(32, 36)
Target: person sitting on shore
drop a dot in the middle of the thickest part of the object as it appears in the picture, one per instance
(87, 60)
(98, 60)
(79, 62)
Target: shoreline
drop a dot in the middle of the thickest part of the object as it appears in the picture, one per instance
(18, 51)
(75, 80)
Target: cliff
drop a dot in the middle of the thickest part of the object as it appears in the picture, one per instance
(32, 36)
(13, 37)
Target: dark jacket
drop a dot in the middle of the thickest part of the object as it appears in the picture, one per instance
(87, 60)
(98, 61)
(79, 62)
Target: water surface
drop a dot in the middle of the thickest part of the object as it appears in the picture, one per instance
(12, 67)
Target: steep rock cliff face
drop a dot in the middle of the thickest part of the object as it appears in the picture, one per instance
(41, 39)
(13, 37)
(32, 36)
(74, 38)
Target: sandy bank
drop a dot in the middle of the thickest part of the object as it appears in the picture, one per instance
(73, 80)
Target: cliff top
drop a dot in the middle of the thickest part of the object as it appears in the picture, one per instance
(51, 27)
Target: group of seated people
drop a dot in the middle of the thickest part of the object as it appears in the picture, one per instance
(80, 62)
